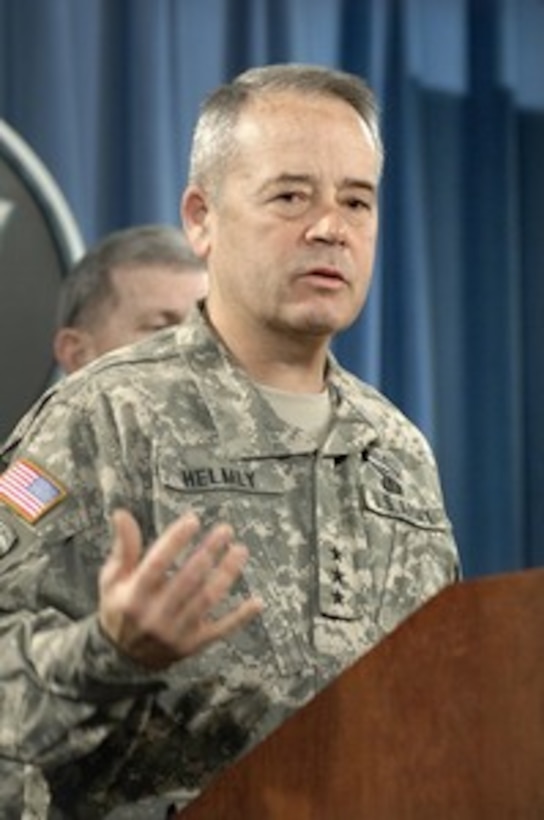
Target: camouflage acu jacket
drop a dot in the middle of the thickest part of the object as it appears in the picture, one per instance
(345, 541)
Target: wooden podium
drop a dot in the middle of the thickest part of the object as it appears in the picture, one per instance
(443, 720)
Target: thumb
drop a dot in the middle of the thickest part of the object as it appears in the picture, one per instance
(126, 549)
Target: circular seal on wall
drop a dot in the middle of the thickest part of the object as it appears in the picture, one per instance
(39, 242)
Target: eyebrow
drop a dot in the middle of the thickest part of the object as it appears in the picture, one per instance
(308, 179)
(365, 184)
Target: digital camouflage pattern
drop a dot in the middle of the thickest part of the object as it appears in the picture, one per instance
(345, 541)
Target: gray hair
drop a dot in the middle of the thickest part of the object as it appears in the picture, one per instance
(88, 287)
(214, 144)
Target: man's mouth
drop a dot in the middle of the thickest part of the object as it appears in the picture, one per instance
(325, 277)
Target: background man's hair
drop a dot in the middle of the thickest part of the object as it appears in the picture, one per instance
(214, 142)
(88, 287)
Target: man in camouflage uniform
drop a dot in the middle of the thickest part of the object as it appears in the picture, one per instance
(130, 675)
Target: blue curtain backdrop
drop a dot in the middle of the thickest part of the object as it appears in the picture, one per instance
(107, 91)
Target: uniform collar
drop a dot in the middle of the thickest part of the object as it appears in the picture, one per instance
(245, 422)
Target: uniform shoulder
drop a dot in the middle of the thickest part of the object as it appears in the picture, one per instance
(126, 374)
(127, 368)
(391, 423)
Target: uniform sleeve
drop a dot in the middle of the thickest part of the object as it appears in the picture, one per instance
(63, 686)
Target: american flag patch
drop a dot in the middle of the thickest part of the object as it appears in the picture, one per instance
(29, 490)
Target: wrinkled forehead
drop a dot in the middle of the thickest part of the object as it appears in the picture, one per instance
(286, 114)
(287, 132)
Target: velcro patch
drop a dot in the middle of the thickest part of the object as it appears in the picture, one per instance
(29, 490)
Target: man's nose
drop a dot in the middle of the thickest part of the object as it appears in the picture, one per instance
(329, 225)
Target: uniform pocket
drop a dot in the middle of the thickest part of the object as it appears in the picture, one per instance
(413, 511)
(419, 554)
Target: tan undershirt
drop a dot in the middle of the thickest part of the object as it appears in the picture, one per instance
(310, 412)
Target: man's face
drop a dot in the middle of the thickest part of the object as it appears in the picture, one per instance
(147, 299)
(291, 235)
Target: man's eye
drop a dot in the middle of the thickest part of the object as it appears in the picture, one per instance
(290, 203)
(290, 196)
(357, 204)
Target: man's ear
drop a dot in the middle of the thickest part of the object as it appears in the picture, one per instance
(194, 212)
(72, 348)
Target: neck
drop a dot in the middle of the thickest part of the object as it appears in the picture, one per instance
(286, 361)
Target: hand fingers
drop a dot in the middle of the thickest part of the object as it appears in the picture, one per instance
(233, 620)
(194, 627)
(193, 599)
(126, 549)
(160, 558)
(215, 556)
(184, 594)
